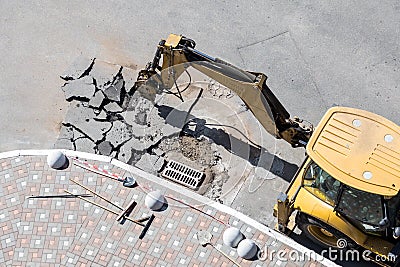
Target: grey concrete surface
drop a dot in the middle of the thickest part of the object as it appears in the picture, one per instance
(316, 53)
(348, 49)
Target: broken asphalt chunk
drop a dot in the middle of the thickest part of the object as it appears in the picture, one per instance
(158, 152)
(113, 107)
(136, 144)
(85, 145)
(101, 116)
(82, 89)
(82, 119)
(105, 148)
(79, 68)
(97, 100)
(104, 73)
(69, 133)
(150, 163)
(129, 117)
(129, 76)
(125, 151)
(119, 134)
(114, 90)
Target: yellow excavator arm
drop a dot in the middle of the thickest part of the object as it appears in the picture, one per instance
(178, 53)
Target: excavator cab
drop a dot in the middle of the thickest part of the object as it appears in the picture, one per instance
(348, 186)
(365, 210)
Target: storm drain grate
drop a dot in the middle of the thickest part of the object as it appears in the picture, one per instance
(183, 174)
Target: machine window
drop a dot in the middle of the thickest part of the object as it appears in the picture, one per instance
(363, 209)
(362, 206)
(321, 184)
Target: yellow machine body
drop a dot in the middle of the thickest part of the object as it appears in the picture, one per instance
(351, 152)
(358, 148)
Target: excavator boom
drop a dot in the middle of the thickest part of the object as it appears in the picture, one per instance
(178, 53)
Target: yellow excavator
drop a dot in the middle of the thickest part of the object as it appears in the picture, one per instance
(348, 186)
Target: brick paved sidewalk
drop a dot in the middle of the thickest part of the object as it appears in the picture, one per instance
(61, 231)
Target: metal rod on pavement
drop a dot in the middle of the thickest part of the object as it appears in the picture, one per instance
(58, 196)
(92, 202)
(110, 210)
(96, 171)
(226, 255)
(100, 196)
(199, 210)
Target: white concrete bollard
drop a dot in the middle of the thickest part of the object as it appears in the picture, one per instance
(232, 236)
(247, 249)
(56, 159)
(154, 200)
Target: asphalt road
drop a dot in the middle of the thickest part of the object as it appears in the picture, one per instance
(316, 54)
(327, 53)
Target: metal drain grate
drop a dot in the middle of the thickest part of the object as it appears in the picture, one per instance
(183, 174)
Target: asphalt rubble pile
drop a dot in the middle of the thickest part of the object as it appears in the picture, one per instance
(109, 115)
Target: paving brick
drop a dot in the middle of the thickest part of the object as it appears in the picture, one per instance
(60, 231)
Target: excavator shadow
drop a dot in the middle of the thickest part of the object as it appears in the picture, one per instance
(254, 154)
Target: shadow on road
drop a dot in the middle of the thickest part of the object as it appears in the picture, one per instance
(254, 154)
